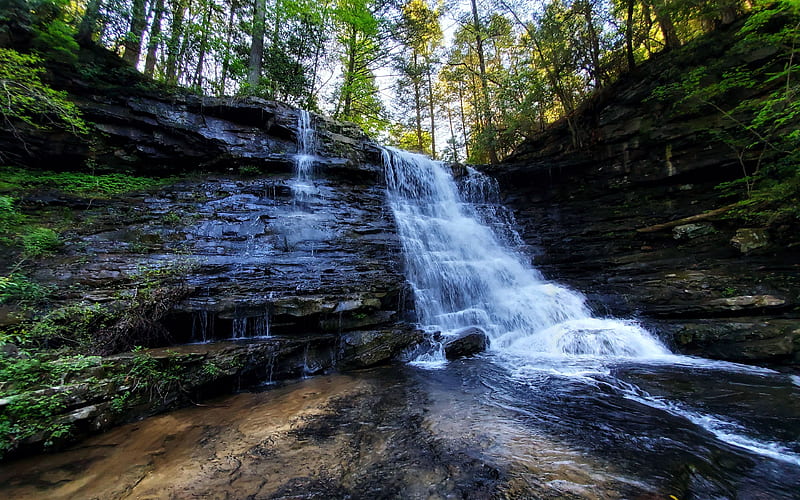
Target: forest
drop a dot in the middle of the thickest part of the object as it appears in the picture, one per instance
(461, 81)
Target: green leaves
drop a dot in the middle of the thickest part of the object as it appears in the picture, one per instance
(25, 98)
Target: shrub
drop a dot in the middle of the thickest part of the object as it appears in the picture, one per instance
(40, 241)
(18, 288)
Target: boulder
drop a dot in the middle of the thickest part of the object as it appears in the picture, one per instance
(748, 239)
(741, 339)
(362, 349)
(691, 231)
(467, 342)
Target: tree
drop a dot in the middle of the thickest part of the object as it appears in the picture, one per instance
(420, 33)
(359, 31)
(133, 39)
(25, 98)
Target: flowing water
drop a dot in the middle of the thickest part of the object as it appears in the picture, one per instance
(564, 405)
(464, 275)
(303, 183)
(464, 263)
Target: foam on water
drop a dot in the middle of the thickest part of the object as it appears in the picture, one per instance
(466, 273)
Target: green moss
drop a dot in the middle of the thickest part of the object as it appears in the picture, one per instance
(20, 180)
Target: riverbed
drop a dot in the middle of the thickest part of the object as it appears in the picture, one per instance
(475, 428)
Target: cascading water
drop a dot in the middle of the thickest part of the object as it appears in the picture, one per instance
(466, 266)
(465, 274)
(303, 183)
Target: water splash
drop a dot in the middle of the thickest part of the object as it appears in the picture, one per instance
(464, 273)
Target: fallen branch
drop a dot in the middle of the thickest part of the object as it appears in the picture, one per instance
(687, 220)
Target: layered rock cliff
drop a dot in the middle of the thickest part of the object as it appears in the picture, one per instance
(234, 275)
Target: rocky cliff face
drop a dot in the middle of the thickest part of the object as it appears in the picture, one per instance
(608, 213)
(238, 278)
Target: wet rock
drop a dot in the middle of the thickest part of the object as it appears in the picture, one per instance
(361, 349)
(746, 302)
(690, 231)
(741, 339)
(467, 342)
(748, 239)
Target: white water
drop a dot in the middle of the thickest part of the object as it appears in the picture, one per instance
(467, 267)
(303, 183)
(466, 273)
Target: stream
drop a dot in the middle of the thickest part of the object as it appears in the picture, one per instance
(472, 429)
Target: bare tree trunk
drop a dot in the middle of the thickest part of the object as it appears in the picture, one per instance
(417, 100)
(351, 69)
(88, 26)
(594, 43)
(453, 143)
(629, 36)
(664, 20)
(226, 62)
(432, 114)
(484, 85)
(174, 44)
(133, 39)
(463, 120)
(201, 56)
(257, 45)
(155, 34)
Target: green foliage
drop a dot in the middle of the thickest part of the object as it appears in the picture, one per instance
(249, 170)
(26, 415)
(18, 288)
(31, 406)
(10, 217)
(764, 131)
(25, 98)
(76, 183)
(172, 218)
(72, 325)
(211, 369)
(147, 376)
(40, 242)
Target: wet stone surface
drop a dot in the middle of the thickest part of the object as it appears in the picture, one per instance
(257, 260)
(471, 430)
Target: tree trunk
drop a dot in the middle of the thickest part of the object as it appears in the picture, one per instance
(88, 26)
(201, 55)
(431, 113)
(484, 84)
(594, 43)
(629, 36)
(155, 34)
(664, 20)
(350, 74)
(257, 45)
(417, 100)
(453, 142)
(463, 120)
(133, 39)
(174, 43)
(226, 62)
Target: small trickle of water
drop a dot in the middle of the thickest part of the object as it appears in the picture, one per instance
(465, 274)
(250, 327)
(303, 183)
(201, 326)
(239, 329)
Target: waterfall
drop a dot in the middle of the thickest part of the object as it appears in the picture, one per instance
(303, 183)
(465, 273)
